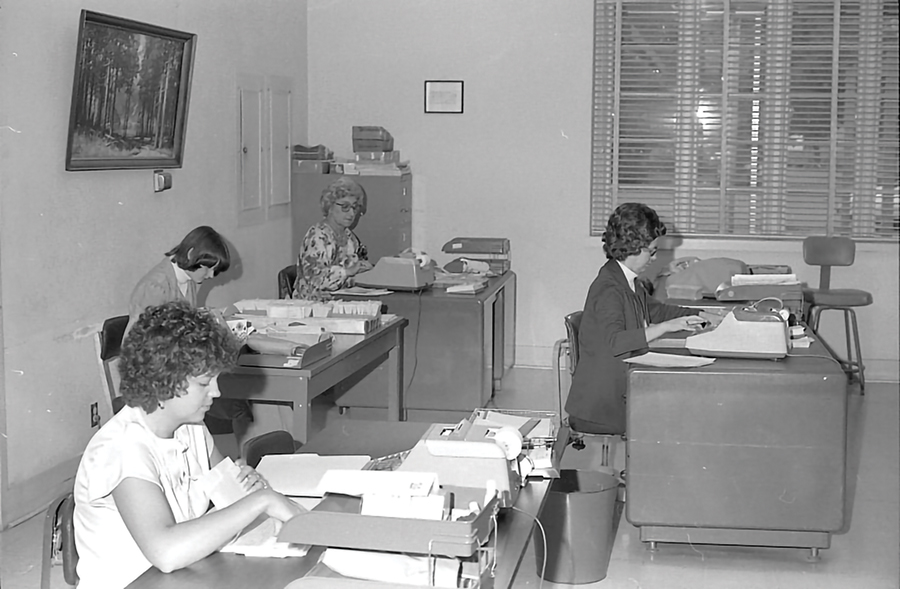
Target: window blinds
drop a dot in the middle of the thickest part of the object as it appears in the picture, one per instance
(749, 118)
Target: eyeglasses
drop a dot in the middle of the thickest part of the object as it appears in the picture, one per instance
(346, 207)
(650, 250)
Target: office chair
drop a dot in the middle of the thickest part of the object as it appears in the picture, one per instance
(59, 540)
(287, 276)
(110, 340)
(274, 442)
(570, 346)
(826, 252)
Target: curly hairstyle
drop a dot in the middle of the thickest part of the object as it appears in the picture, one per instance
(167, 344)
(339, 189)
(203, 246)
(631, 227)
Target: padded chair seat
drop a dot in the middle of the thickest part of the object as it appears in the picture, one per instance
(837, 297)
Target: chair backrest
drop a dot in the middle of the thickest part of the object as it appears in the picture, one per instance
(827, 252)
(287, 276)
(274, 442)
(59, 540)
(110, 337)
(573, 324)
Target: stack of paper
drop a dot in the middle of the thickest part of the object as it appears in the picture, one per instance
(754, 279)
(260, 539)
(299, 475)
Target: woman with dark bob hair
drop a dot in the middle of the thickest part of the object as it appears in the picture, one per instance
(138, 499)
(201, 255)
(619, 320)
(331, 254)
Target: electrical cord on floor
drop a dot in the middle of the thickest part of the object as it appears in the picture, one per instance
(543, 540)
(415, 363)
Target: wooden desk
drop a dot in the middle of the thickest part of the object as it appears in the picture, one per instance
(299, 386)
(458, 348)
(746, 452)
(376, 438)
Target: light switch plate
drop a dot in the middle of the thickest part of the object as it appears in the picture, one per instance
(161, 180)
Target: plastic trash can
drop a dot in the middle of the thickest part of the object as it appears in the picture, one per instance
(578, 523)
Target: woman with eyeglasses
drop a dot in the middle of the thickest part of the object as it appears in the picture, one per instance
(331, 254)
(619, 321)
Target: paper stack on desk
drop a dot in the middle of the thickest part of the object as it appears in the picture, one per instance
(299, 475)
(261, 539)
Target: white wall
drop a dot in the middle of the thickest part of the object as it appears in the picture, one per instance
(517, 162)
(73, 244)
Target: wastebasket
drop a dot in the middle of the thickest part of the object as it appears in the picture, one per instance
(578, 523)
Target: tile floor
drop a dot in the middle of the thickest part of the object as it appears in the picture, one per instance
(866, 556)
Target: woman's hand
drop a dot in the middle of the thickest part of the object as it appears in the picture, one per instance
(357, 267)
(686, 323)
(249, 479)
(712, 317)
(353, 269)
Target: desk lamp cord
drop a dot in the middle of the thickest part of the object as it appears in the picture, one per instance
(543, 540)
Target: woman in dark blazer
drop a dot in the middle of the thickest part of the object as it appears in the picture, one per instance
(619, 321)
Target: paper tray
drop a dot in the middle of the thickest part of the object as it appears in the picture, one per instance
(336, 522)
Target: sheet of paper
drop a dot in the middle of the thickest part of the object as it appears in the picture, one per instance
(753, 279)
(669, 360)
(430, 507)
(299, 475)
(378, 482)
(221, 483)
(260, 539)
(496, 418)
(541, 429)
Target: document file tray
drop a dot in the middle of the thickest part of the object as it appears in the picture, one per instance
(336, 522)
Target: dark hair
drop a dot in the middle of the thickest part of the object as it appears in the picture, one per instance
(631, 227)
(340, 188)
(201, 247)
(167, 344)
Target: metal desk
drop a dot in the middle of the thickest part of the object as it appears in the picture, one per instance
(299, 386)
(375, 438)
(458, 348)
(745, 452)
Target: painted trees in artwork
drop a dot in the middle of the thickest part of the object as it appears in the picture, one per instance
(127, 94)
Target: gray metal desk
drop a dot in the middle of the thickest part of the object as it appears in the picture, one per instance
(744, 452)
(375, 438)
(350, 355)
(458, 347)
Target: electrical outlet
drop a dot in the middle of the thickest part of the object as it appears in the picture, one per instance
(95, 414)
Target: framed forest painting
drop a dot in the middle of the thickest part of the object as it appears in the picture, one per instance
(130, 96)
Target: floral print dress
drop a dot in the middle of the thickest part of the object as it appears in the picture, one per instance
(323, 261)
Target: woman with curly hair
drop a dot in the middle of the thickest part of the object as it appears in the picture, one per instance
(331, 254)
(619, 320)
(138, 502)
